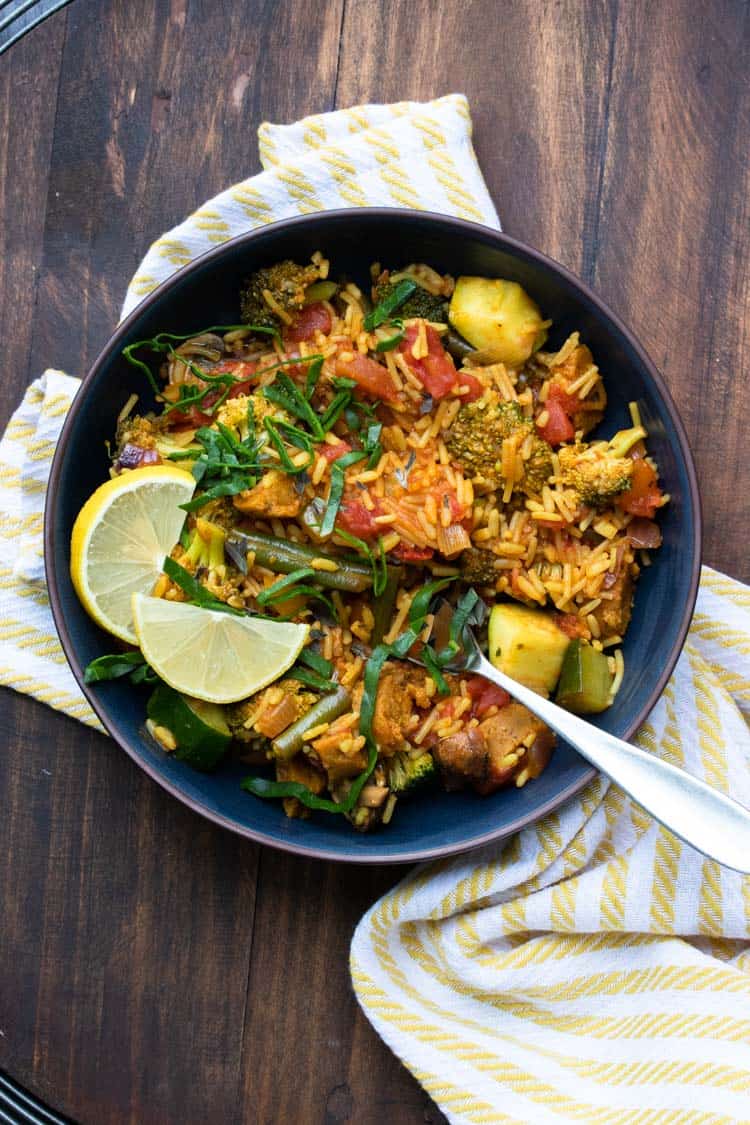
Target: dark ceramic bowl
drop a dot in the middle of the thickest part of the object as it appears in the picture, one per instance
(204, 293)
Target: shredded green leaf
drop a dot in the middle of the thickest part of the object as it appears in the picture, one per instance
(336, 490)
(163, 342)
(387, 345)
(120, 664)
(401, 291)
(285, 393)
(292, 585)
(197, 594)
(227, 464)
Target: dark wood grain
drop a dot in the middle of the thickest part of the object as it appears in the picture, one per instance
(153, 969)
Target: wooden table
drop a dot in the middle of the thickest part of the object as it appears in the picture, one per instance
(154, 969)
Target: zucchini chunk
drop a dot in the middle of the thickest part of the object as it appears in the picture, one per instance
(527, 645)
(585, 680)
(498, 318)
(199, 728)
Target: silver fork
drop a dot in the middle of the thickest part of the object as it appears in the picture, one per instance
(701, 816)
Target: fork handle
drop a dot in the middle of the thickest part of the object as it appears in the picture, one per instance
(701, 816)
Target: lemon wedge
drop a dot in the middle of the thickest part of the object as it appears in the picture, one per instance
(120, 539)
(214, 656)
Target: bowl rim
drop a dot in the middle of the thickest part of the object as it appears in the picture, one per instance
(393, 214)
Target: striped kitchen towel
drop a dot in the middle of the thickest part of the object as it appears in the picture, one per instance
(591, 968)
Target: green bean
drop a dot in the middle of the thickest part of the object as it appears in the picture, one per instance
(456, 345)
(291, 741)
(382, 611)
(281, 555)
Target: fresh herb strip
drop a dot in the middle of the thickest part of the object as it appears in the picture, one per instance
(164, 342)
(317, 662)
(119, 664)
(385, 309)
(314, 670)
(313, 374)
(285, 393)
(337, 406)
(197, 595)
(296, 437)
(336, 490)
(228, 465)
(293, 585)
(311, 679)
(262, 787)
(378, 562)
(390, 342)
(372, 445)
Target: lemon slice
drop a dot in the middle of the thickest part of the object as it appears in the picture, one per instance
(120, 539)
(214, 656)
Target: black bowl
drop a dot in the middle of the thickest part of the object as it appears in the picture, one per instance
(205, 293)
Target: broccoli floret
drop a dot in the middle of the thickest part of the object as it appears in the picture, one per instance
(407, 774)
(236, 413)
(538, 467)
(597, 475)
(478, 568)
(624, 440)
(285, 283)
(206, 547)
(422, 303)
(476, 439)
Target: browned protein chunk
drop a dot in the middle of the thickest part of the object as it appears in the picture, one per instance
(275, 496)
(302, 770)
(401, 690)
(613, 615)
(463, 758)
(478, 756)
(507, 733)
(591, 410)
(336, 762)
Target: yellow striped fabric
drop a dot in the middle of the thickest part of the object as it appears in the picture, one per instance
(592, 968)
(410, 154)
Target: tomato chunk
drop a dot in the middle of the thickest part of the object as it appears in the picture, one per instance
(309, 320)
(559, 406)
(485, 695)
(191, 419)
(644, 495)
(358, 520)
(475, 387)
(333, 452)
(240, 368)
(408, 553)
(371, 377)
(436, 371)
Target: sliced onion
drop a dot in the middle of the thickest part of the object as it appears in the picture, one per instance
(452, 540)
(132, 456)
(277, 718)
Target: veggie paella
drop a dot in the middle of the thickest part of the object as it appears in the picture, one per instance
(328, 492)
